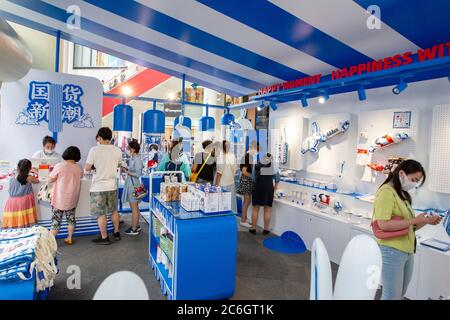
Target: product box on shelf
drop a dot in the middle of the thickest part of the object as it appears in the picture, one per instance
(209, 199)
(189, 201)
(171, 191)
(224, 200)
(166, 245)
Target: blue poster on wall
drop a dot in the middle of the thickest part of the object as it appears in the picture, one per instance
(55, 104)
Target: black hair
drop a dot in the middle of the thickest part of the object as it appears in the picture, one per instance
(23, 170)
(225, 146)
(266, 160)
(206, 143)
(408, 166)
(48, 139)
(105, 133)
(72, 153)
(174, 143)
(134, 144)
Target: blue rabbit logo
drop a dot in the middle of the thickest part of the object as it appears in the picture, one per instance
(312, 142)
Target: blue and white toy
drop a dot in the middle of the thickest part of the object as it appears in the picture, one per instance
(311, 143)
(323, 200)
(340, 128)
(446, 222)
(282, 149)
(388, 140)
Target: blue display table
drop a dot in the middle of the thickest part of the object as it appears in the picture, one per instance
(203, 254)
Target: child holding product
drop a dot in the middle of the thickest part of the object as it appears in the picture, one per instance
(66, 191)
(20, 208)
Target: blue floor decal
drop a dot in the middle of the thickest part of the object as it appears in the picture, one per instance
(289, 242)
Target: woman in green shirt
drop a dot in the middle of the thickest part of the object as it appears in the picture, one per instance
(393, 200)
(176, 160)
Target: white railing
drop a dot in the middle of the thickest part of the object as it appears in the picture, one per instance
(123, 76)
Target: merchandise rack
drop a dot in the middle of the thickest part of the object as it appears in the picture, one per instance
(204, 246)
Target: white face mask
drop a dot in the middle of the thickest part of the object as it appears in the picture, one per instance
(49, 152)
(407, 184)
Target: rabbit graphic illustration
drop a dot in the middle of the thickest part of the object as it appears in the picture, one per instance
(312, 142)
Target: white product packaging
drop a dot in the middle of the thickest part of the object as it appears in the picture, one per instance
(189, 201)
(331, 185)
(209, 200)
(224, 200)
(191, 187)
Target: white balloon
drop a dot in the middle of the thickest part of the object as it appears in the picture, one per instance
(321, 287)
(359, 271)
(122, 285)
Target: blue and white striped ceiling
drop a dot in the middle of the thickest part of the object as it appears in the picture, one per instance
(238, 46)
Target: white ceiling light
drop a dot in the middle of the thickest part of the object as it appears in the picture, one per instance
(171, 96)
(127, 91)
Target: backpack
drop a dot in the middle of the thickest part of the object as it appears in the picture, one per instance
(172, 165)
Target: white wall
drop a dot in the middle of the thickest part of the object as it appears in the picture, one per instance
(421, 95)
(42, 46)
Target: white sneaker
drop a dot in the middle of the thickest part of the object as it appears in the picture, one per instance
(245, 224)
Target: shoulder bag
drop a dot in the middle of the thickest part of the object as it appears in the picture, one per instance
(380, 234)
(139, 190)
(193, 177)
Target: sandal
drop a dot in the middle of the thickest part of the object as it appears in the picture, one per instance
(68, 242)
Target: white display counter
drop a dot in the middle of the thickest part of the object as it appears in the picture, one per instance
(44, 209)
(430, 279)
(86, 224)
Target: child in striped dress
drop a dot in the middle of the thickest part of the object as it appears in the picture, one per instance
(20, 208)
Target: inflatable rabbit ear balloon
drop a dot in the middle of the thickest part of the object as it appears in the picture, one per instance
(321, 287)
(359, 271)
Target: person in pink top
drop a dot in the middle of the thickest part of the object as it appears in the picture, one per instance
(66, 191)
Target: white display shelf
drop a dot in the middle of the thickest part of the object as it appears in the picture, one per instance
(360, 223)
(336, 230)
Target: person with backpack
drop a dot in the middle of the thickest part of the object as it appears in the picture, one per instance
(175, 160)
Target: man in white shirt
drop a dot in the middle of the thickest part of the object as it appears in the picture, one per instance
(104, 159)
(48, 150)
